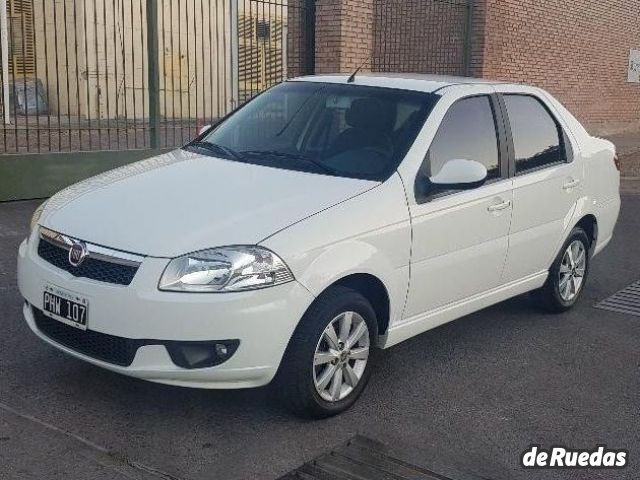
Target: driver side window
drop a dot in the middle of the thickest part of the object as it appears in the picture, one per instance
(469, 132)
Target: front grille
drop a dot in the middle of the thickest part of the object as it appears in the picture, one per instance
(92, 268)
(108, 348)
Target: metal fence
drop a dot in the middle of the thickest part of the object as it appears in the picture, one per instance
(123, 75)
(424, 36)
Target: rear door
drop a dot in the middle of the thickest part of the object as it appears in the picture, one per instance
(546, 182)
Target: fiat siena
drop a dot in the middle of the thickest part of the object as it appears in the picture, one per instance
(327, 217)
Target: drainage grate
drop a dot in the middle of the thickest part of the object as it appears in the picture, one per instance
(626, 300)
(361, 459)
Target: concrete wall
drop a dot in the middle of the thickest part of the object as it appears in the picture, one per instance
(57, 62)
(92, 59)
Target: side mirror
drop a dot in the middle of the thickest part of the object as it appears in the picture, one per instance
(203, 129)
(460, 175)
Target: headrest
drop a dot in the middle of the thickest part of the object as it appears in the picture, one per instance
(369, 114)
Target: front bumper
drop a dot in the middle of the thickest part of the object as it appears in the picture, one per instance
(262, 320)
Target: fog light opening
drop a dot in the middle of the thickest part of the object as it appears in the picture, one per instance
(193, 355)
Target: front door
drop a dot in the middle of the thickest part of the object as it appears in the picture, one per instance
(460, 238)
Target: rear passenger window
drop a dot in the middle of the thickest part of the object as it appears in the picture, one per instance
(536, 135)
(468, 131)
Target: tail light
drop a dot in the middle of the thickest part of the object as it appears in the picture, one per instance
(616, 160)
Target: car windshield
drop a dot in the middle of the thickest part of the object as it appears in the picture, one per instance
(343, 130)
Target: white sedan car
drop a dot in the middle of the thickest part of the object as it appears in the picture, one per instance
(329, 216)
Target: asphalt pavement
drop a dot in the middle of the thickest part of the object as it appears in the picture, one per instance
(466, 398)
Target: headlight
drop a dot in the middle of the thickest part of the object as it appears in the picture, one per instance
(225, 269)
(35, 218)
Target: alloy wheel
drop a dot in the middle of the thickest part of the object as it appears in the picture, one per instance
(341, 356)
(572, 270)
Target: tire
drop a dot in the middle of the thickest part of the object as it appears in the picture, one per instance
(553, 296)
(299, 379)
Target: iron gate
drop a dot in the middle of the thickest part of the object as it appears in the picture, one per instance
(422, 36)
(90, 84)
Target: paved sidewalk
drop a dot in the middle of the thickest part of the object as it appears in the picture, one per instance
(33, 449)
(630, 186)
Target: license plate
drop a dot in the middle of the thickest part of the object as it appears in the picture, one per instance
(66, 307)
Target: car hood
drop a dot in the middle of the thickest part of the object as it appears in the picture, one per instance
(181, 202)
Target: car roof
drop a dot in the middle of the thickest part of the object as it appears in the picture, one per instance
(407, 81)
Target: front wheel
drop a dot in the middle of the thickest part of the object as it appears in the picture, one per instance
(327, 363)
(567, 275)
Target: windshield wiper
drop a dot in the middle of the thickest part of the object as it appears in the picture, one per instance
(292, 156)
(215, 148)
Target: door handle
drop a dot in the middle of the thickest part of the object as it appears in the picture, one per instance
(499, 206)
(571, 184)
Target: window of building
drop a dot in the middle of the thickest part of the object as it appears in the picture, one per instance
(536, 134)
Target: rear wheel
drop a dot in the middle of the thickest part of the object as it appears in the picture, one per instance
(567, 275)
(327, 363)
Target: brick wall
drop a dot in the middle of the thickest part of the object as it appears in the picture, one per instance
(344, 34)
(477, 41)
(328, 35)
(390, 35)
(296, 38)
(577, 49)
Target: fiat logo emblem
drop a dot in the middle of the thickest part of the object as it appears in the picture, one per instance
(77, 253)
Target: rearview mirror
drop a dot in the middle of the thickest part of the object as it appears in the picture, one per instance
(460, 175)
